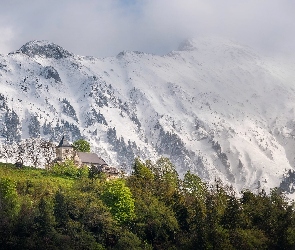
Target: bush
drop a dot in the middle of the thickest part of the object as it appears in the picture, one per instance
(69, 169)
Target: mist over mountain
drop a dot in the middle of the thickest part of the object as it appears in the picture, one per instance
(213, 106)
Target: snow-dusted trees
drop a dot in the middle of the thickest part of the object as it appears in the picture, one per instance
(34, 127)
(48, 151)
(68, 109)
(126, 152)
(32, 151)
(7, 152)
(12, 127)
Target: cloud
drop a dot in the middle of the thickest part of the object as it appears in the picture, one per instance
(7, 36)
(104, 28)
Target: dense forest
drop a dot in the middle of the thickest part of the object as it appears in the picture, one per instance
(66, 207)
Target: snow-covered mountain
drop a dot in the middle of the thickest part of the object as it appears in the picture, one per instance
(212, 106)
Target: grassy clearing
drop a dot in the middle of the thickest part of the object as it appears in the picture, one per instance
(34, 182)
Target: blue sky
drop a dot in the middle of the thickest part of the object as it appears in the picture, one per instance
(104, 28)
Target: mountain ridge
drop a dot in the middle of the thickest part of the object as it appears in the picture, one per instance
(214, 107)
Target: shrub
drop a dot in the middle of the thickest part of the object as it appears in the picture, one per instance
(69, 169)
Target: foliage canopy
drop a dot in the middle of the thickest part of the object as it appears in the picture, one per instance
(81, 145)
(66, 208)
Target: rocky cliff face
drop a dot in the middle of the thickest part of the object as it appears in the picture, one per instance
(213, 106)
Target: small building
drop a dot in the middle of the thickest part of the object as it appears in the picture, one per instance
(65, 151)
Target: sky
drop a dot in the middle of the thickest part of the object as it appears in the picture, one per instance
(103, 28)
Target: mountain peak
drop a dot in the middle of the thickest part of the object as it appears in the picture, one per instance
(187, 45)
(206, 43)
(45, 49)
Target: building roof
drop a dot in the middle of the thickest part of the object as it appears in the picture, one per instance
(91, 158)
(64, 143)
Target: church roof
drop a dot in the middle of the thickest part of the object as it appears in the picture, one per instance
(91, 158)
(64, 143)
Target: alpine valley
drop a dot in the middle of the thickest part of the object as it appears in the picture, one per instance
(213, 107)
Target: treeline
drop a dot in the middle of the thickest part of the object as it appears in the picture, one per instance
(70, 208)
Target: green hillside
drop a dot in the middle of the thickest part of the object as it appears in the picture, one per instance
(66, 207)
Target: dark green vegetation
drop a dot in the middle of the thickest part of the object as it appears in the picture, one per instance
(69, 208)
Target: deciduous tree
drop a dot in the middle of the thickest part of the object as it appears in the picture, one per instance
(81, 145)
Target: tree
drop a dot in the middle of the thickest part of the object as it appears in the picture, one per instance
(34, 152)
(7, 151)
(166, 178)
(61, 210)
(12, 127)
(34, 127)
(81, 145)
(48, 151)
(231, 218)
(129, 240)
(142, 177)
(155, 222)
(46, 220)
(118, 197)
(9, 201)
(193, 184)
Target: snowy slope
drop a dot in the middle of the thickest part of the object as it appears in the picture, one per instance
(212, 106)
